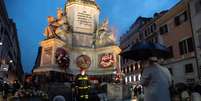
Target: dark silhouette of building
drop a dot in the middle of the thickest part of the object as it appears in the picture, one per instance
(9, 45)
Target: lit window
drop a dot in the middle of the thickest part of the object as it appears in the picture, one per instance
(134, 78)
(126, 79)
(139, 77)
(134, 68)
(139, 66)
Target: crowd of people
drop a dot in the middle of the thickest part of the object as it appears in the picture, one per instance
(187, 93)
(8, 88)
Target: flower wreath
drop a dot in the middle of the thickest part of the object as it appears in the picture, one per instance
(62, 58)
(107, 60)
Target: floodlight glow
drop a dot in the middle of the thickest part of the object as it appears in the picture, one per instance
(11, 61)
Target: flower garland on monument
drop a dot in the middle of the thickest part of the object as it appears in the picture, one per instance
(107, 60)
(62, 58)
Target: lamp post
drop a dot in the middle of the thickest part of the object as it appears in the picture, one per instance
(11, 61)
(1, 43)
(3, 74)
(4, 69)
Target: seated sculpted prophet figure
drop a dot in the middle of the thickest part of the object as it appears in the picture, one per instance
(104, 35)
(62, 24)
(55, 26)
(50, 29)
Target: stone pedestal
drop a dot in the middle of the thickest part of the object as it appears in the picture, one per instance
(96, 55)
(91, 46)
(118, 92)
(49, 71)
(48, 62)
(60, 89)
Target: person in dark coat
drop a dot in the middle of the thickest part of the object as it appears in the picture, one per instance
(16, 86)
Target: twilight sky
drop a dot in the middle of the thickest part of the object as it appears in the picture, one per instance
(30, 17)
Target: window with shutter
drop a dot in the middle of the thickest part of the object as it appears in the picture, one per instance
(190, 45)
(176, 21)
(164, 29)
(198, 6)
(189, 68)
(182, 47)
(136, 66)
(128, 70)
(131, 67)
(185, 16)
(199, 39)
(186, 46)
(181, 18)
(170, 48)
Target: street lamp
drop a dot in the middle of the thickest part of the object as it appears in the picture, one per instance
(3, 74)
(11, 61)
(3, 70)
(4, 66)
(1, 43)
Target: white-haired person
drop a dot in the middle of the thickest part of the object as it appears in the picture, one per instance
(156, 81)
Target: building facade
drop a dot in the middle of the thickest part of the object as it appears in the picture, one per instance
(9, 46)
(131, 69)
(173, 29)
(195, 12)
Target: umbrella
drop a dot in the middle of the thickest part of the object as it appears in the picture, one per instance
(144, 50)
(159, 50)
(138, 51)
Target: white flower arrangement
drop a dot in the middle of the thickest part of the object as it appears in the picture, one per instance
(30, 93)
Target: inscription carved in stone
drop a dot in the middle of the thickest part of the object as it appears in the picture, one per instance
(84, 19)
(47, 56)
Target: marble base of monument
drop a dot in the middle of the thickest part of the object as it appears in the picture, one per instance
(60, 90)
(118, 92)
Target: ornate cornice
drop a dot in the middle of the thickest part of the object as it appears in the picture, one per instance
(85, 2)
